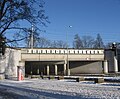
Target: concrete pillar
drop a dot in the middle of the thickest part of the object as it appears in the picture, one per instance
(115, 64)
(48, 71)
(68, 72)
(31, 70)
(65, 69)
(55, 69)
(68, 69)
(38, 71)
(105, 66)
(44, 71)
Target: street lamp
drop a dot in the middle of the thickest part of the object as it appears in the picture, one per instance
(114, 48)
(68, 70)
(31, 42)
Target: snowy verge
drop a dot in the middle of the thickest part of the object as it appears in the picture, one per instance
(66, 88)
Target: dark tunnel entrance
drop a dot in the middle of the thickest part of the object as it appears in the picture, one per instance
(40, 68)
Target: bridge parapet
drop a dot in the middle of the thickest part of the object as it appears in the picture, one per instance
(61, 54)
(63, 51)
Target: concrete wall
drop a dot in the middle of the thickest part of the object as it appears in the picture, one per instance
(2, 67)
(9, 62)
(84, 67)
(109, 54)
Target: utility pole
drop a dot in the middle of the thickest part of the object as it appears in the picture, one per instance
(68, 67)
(32, 37)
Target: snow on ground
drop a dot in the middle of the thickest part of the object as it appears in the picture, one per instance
(61, 89)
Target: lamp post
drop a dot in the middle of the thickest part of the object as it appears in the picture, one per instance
(114, 48)
(31, 44)
(68, 68)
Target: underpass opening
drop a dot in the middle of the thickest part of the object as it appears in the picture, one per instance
(43, 68)
(34, 68)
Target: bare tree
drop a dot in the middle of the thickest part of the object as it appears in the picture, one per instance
(58, 44)
(43, 42)
(88, 41)
(98, 42)
(15, 12)
(77, 43)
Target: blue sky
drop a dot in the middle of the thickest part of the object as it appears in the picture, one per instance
(87, 17)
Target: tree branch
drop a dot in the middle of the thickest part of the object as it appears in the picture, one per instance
(3, 13)
(2, 8)
(5, 28)
(10, 41)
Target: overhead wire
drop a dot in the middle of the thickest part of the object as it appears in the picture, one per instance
(54, 34)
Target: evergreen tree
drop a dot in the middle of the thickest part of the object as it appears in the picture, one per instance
(77, 43)
(98, 42)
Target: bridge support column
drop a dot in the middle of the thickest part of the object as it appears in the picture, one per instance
(38, 71)
(31, 70)
(65, 68)
(115, 64)
(105, 66)
(48, 71)
(55, 69)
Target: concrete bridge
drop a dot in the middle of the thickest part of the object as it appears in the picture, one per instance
(61, 54)
(62, 61)
(48, 61)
